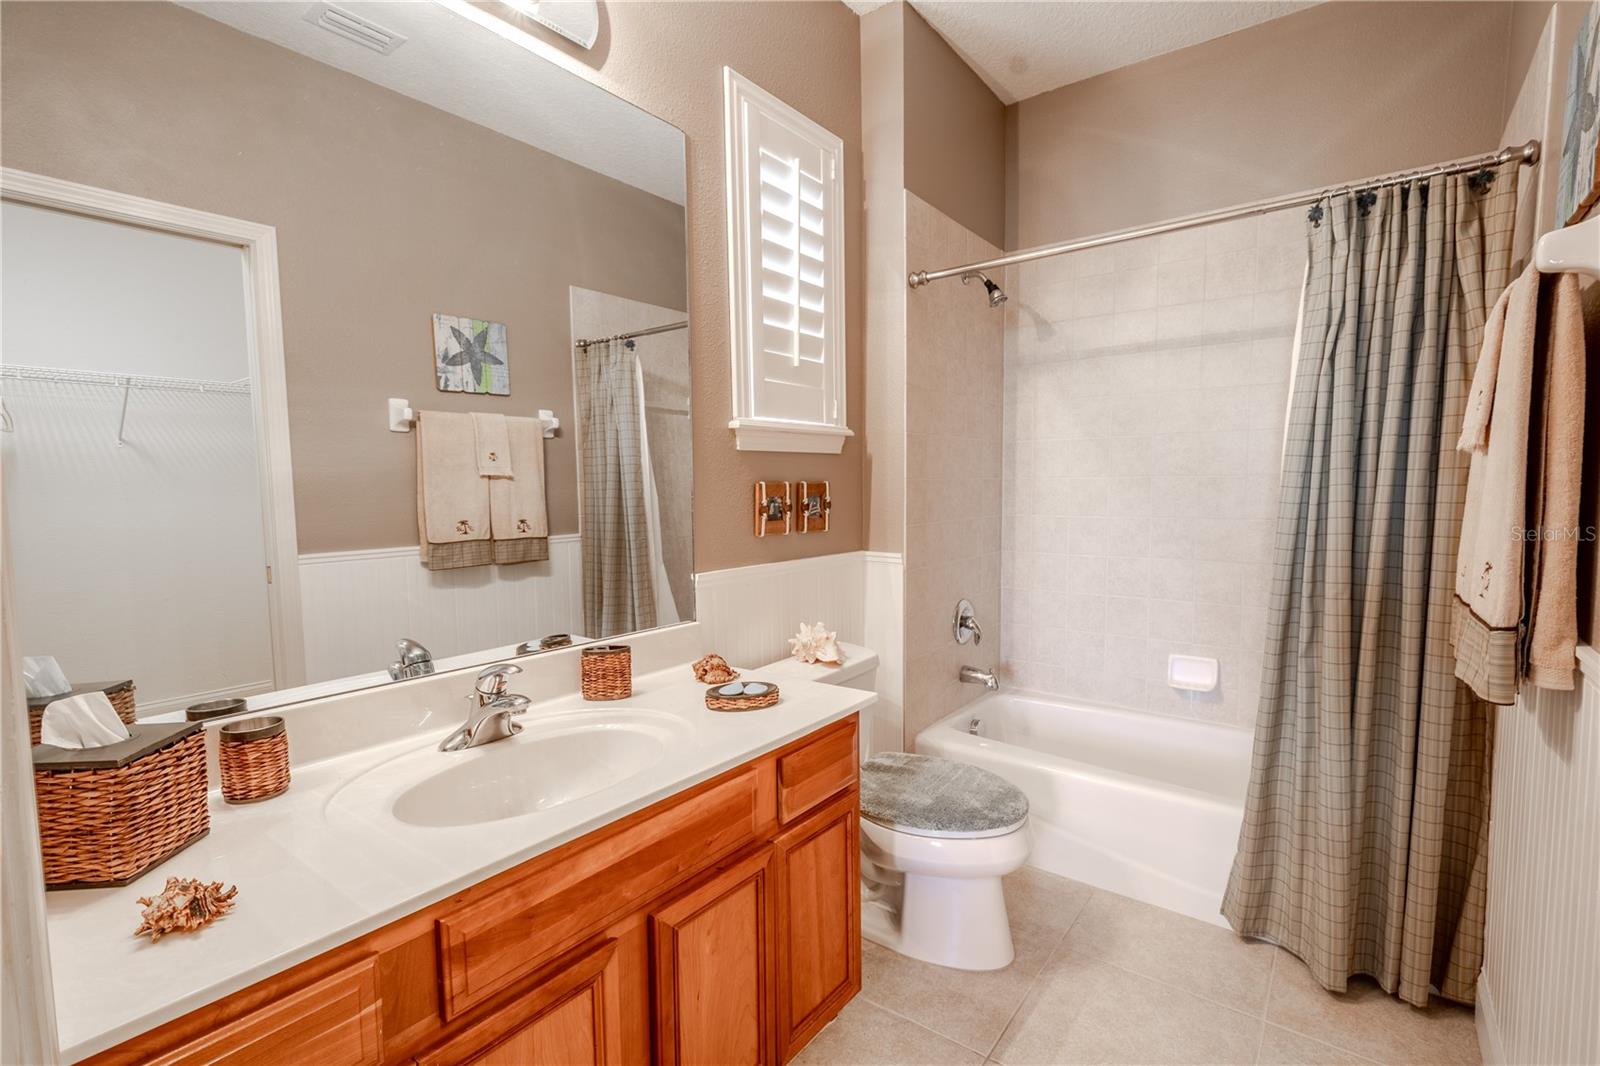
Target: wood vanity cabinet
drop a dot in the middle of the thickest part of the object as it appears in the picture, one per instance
(719, 927)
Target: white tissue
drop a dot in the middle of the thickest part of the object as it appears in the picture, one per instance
(43, 676)
(86, 721)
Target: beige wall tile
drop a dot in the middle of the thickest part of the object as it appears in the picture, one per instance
(1155, 430)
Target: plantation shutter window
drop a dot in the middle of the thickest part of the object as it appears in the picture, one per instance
(786, 275)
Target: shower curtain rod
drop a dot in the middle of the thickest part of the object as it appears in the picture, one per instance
(668, 328)
(1525, 154)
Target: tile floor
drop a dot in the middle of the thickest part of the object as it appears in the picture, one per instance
(1099, 978)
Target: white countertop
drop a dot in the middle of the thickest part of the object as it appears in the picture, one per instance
(312, 876)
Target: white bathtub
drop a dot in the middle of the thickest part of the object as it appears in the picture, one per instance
(1144, 805)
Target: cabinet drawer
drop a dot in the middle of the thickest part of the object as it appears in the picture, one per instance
(487, 945)
(333, 1022)
(569, 1019)
(822, 769)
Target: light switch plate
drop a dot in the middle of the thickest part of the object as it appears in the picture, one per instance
(774, 508)
(813, 505)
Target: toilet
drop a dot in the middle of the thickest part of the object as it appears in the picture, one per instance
(936, 838)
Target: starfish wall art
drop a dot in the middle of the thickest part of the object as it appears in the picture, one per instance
(469, 355)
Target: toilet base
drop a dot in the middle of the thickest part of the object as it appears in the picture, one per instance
(959, 922)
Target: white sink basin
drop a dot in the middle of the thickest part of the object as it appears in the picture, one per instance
(555, 760)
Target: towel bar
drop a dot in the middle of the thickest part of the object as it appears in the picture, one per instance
(402, 418)
(1575, 249)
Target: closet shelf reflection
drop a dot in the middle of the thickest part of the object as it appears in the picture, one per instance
(126, 382)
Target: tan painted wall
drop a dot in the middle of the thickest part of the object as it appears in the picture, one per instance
(883, 133)
(668, 58)
(955, 130)
(387, 210)
(1283, 106)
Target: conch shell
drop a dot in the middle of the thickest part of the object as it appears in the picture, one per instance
(714, 670)
(183, 906)
(816, 644)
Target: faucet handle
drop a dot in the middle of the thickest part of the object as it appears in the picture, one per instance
(965, 625)
(492, 680)
(511, 705)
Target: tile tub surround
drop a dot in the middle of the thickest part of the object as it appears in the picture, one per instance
(314, 873)
(1146, 386)
(1099, 978)
(954, 370)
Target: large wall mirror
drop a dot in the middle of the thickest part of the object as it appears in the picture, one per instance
(458, 224)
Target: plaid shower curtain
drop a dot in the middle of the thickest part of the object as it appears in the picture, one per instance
(1365, 834)
(618, 595)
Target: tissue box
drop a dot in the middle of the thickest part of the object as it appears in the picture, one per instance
(120, 693)
(106, 815)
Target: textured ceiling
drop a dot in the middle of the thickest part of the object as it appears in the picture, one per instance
(1025, 47)
(485, 76)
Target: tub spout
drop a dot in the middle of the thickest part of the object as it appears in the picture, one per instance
(971, 675)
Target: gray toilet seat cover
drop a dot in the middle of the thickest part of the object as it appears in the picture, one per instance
(927, 796)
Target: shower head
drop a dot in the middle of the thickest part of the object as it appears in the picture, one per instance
(997, 295)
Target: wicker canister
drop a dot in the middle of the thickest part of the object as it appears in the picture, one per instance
(607, 672)
(106, 815)
(120, 693)
(253, 757)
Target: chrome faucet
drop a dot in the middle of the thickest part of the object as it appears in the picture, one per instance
(492, 713)
(414, 661)
(971, 675)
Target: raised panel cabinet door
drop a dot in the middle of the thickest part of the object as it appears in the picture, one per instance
(713, 949)
(818, 921)
(573, 1018)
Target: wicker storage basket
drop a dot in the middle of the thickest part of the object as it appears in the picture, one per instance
(120, 693)
(253, 757)
(106, 815)
(607, 672)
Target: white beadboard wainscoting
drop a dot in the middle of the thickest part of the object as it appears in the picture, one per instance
(748, 614)
(1539, 992)
(356, 604)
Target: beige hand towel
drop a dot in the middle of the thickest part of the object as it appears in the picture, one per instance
(452, 499)
(1556, 466)
(518, 517)
(492, 446)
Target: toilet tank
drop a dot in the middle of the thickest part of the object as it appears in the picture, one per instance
(859, 670)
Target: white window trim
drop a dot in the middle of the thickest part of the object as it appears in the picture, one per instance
(753, 433)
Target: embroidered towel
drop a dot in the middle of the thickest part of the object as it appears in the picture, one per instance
(452, 499)
(1516, 568)
(518, 518)
(491, 446)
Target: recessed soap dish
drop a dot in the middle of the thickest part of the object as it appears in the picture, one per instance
(1192, 673)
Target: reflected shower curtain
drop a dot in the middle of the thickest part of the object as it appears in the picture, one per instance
(618, 594)
(1363, 849)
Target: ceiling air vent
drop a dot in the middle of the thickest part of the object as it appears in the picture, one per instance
(353, 27)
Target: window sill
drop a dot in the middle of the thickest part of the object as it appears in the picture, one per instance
(761, 435)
